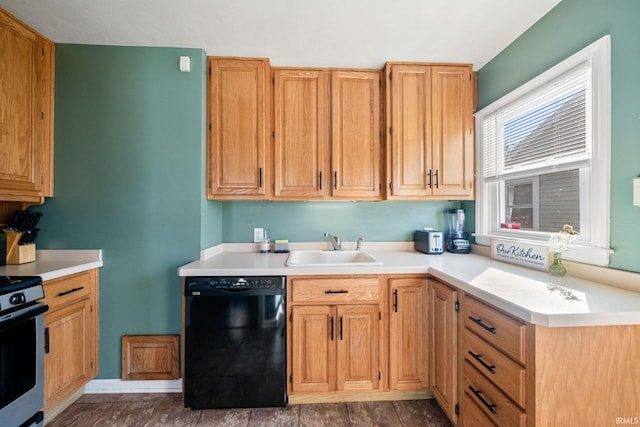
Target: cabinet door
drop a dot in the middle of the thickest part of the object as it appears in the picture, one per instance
(355, 141)
(26, 99)
(453, 153)
(301, 117)
(409, 154)
(408, 334)
(68, 363)
(238, 146)
(443, 348)
(313, 364)
(357, 341)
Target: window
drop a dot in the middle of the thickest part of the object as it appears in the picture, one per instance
(544, 157)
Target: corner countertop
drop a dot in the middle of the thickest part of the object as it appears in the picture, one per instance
(531, 295)
(51, 264)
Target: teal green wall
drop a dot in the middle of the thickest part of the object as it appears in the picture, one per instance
(570, 26)
(308, 221)
(129, 179)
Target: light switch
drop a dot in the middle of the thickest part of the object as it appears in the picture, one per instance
(185, 64)
(636, 191)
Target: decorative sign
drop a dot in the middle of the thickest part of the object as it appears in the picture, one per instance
(523, 254)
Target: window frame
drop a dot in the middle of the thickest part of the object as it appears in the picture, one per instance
(593, 246)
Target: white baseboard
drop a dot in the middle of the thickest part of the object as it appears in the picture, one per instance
(119, 386)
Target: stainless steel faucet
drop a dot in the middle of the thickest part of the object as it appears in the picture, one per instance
(335, 241)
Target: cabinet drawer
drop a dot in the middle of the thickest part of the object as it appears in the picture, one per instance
(334, 290)
(473, 415)
(491, 401)
(67, 289)
(509, 376)
(501, 331)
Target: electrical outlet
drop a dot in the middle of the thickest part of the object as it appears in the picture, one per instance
(258, 234)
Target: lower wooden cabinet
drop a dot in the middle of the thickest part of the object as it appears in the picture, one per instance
(443, 346)
(408, 357)
(71, 335)
(335, 348)
(334, 334)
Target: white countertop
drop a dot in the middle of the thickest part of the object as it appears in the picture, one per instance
(533, 296)
(51, 264)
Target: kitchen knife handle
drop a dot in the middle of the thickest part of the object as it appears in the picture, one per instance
(260, 177)
(331, 328)
(320, 180)
(430, 178)
(395, 300)
(335, 180)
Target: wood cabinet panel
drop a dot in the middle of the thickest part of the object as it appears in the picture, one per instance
(335, 290)
(501, 331)
(239, 134)
(313, 364)
(409, 156)
(453, 145)
(71, 331)
(357, 347)
(443, 346)
(408, 357)
(429, 116)
(301, 143)
(491, 401)
(507, 375)
(355, 141)
(26, 112)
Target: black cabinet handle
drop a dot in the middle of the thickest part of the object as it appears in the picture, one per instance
(335, 180)
(46, 340)
(437, 183)
(395, 300)
(340, 328)
(489, 406)
(480, 323)
(478, 357)
(331, 328)
(260, 177)
(70, 291)
(429, 175)
(320, 180)
(341, 291)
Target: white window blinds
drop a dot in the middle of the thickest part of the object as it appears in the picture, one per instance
(546, 130)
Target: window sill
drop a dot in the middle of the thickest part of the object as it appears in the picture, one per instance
(578, 253)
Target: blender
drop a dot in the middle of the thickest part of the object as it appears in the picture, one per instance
(457, 240)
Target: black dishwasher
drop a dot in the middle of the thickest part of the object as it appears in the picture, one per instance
(235, 342)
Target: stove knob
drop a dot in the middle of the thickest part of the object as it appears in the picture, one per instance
(17, 298)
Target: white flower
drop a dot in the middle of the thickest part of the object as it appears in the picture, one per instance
(560, 241)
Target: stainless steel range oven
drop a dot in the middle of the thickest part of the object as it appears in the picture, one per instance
(21, 351)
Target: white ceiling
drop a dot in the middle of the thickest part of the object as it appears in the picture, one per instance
(320, 33)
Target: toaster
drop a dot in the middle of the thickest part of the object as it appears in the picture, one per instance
(429, 242)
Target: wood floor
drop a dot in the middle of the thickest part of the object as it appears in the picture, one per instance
(123, 410)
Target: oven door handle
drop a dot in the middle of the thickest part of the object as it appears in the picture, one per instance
(13, 319)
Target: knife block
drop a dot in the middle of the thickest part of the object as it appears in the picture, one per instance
(19, 254)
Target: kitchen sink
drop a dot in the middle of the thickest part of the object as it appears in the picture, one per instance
(316, 258)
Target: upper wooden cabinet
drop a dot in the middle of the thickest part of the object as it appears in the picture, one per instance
(26, 113)
(238, 149)
(327, 134)
(429, 115)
